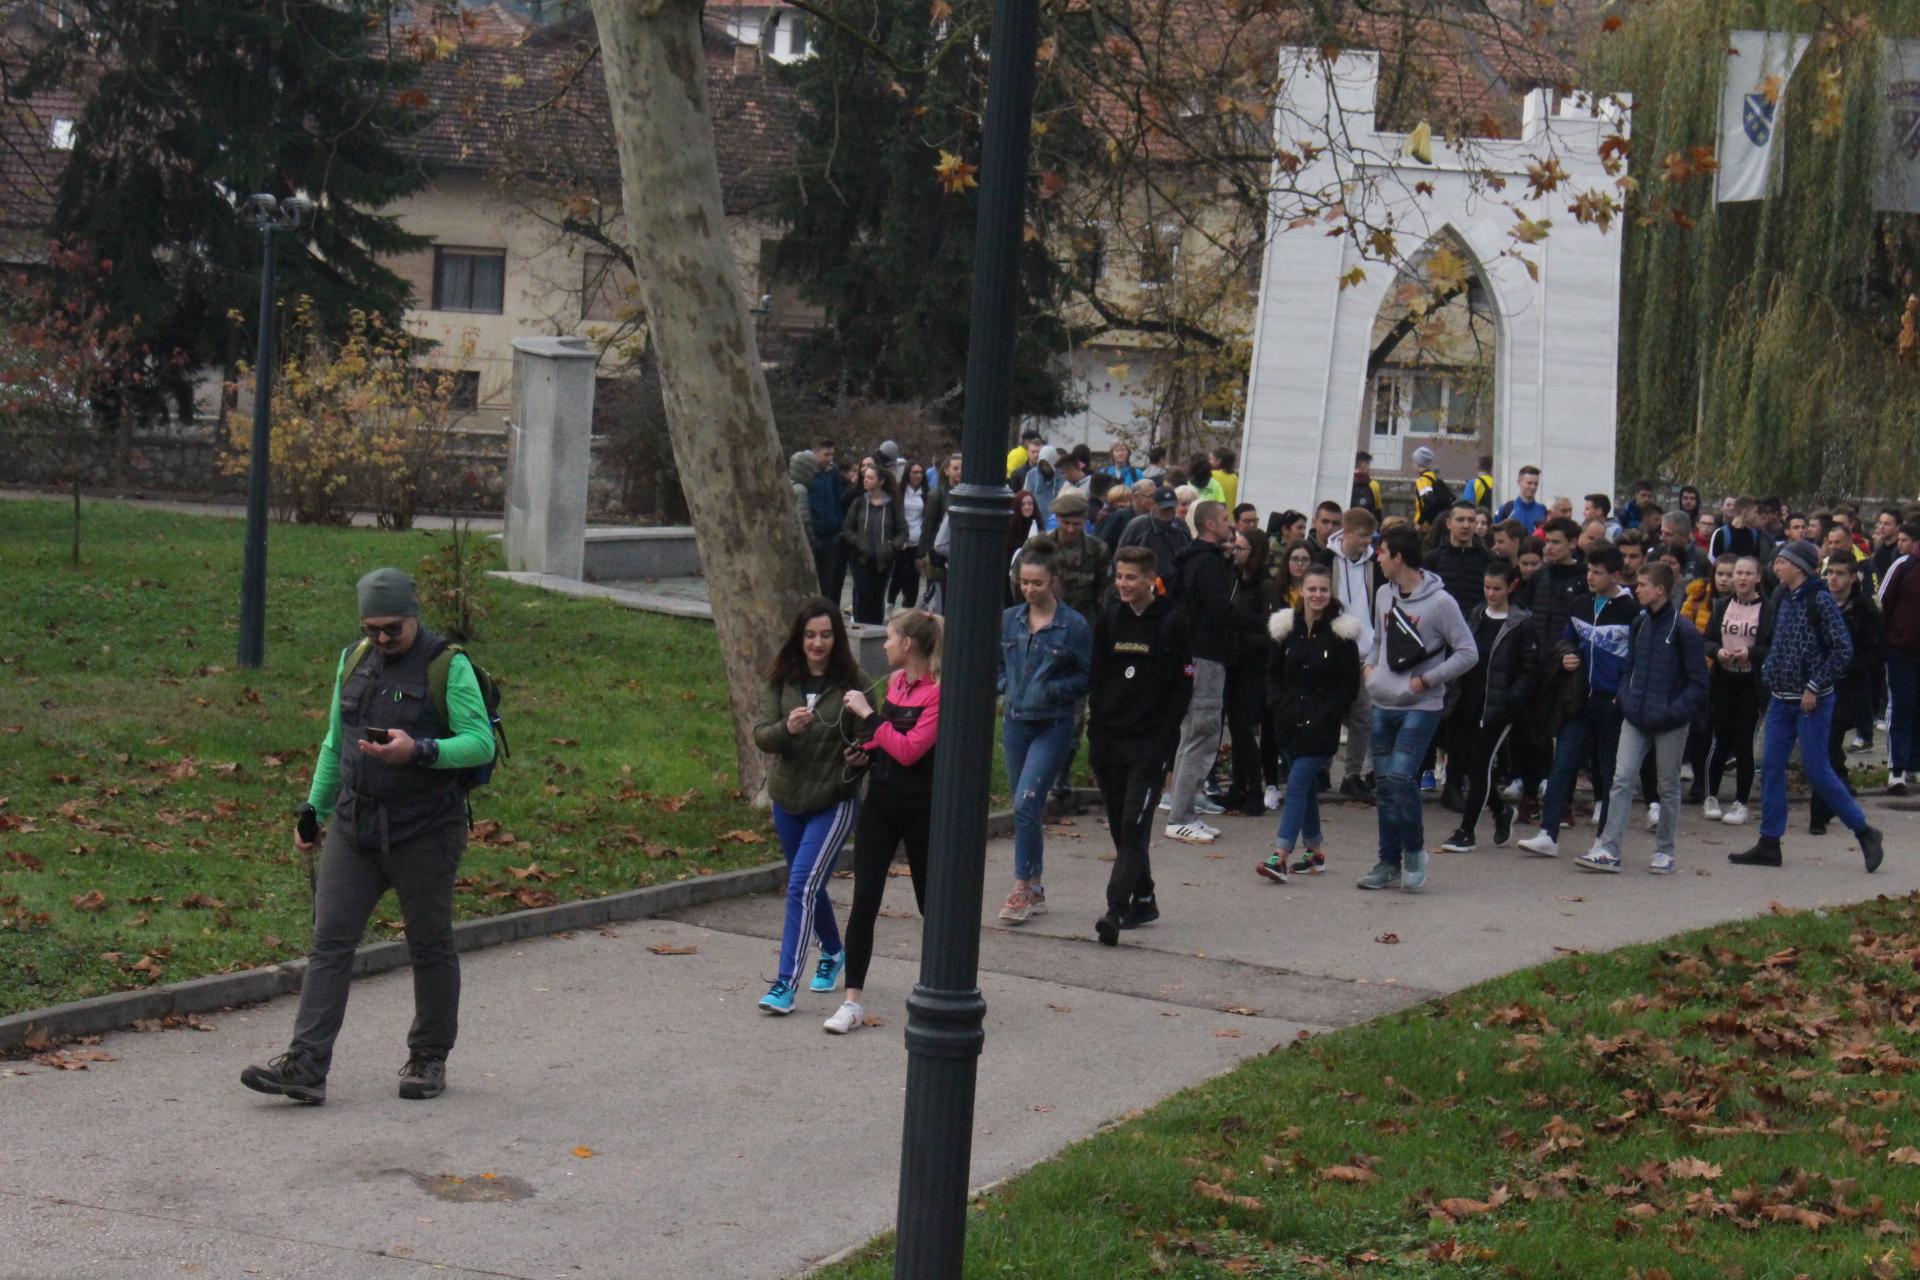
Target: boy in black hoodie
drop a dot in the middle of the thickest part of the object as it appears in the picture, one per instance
(1141, 682)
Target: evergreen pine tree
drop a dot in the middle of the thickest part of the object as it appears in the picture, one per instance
(190, 108)
(880, 209)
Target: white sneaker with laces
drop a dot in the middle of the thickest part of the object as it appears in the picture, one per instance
(1272, 798)
(1736, 815)
(1711, 809)
(1512, 790)
(1653, 816)
(1662, 864)
(1190, 833)
(1207, 827)
(1541, 845)
(846, 1018)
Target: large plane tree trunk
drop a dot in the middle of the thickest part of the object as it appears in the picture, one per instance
(718, 414)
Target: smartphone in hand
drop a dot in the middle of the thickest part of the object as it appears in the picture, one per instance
(379, 735)
(309, 825)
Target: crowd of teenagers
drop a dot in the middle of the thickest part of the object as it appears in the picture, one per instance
(1498, 649)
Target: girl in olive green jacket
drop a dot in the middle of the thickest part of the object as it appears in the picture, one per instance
(815, 791)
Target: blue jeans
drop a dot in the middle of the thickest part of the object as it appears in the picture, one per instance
(1903, 691)
(1300, 813)
(811, 843)
(1786, 722)
(1036, 750)
(1400, 741)
(1591, 738)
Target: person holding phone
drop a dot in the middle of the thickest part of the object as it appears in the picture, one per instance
(804, 724)
(389, 773)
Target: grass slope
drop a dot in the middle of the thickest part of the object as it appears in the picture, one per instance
(1737, 1102)
(146, 785)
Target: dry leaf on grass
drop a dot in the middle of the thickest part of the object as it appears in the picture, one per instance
(1693, 1167)
(1904, 1155)
(1214, 1191)
(1350, 1173)
(91, 900)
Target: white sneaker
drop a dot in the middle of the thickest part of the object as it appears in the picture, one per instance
(1686, 772)
(1190, 833)
(1166, 802)
(1512, 790)
(1272, 798)
(1207, 827)
(1653, 816)
(1736, 815)
(1541, 845)
(1662, 864)
(1711, 809)
(846, 1018)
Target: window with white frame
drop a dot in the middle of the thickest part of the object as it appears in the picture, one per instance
(60, 134)
(1159, 253)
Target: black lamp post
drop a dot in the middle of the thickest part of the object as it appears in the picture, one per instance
(269, 215)
(944, 1014)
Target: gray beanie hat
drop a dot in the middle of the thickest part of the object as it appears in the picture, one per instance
(1803, 555)
(388, 593)
(1423, 457)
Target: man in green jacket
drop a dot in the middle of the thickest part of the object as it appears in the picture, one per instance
(390, 773)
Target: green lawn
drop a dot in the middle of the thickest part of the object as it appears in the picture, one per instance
(146, 785)
(1737, 1102)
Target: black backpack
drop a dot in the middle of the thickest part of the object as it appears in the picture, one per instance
(1440, 497)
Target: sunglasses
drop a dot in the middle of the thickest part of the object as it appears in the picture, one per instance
(389, 630)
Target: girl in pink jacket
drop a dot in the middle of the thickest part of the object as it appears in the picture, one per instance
(897, 738)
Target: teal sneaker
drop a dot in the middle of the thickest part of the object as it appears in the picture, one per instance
(826, 975)
(1413, 870)
(1384, 875)
(779, 998)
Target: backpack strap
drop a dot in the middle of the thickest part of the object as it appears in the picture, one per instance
(437, 671)
(356, 655)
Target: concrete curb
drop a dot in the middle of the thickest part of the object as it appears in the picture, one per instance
(253, 986)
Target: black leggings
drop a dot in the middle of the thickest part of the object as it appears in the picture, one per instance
(905, 583)
(1476, 749)
(1246, 697)
(1736, 713)
(887, 820)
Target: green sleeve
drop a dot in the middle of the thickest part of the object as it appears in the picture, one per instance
(472, 740)
(326, 771)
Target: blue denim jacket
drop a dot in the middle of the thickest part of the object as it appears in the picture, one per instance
(1044, 674)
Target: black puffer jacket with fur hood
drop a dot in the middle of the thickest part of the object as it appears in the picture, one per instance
(1313, 676)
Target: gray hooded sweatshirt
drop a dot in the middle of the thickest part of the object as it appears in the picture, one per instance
(1445, 633)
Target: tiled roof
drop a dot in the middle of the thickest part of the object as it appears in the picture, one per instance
(29, 165)
(538, 111)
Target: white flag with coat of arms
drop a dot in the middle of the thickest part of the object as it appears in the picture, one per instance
(1899, 186)
(1753, 105)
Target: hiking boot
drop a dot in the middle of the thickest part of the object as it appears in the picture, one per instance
(1310, 863)
(1541, 845)
(1107, 929)
(1764, 854)
(1461, 841)
(1413, 870)
(826, 975)
(290, 1076)
(1142, 911)
(1185, 833)
(1274, 868)
(779, 998)
(423, 1078)
(1872, 847)
(1502, 828)
(1385, 875)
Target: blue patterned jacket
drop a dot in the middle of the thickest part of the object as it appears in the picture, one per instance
(1811, 644)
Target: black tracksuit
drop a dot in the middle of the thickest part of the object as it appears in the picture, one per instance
(1141, 681)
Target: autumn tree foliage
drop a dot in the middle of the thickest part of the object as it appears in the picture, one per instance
(188, 109)
(1762, 342)
(1160, 158)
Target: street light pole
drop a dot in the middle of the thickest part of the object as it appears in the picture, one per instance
(945, 1011)
(270, 216)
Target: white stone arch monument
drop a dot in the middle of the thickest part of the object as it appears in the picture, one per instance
(1557, 344)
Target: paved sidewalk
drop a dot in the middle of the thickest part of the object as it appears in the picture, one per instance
(730, 1144)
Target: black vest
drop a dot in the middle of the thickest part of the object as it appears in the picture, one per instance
(383, 693)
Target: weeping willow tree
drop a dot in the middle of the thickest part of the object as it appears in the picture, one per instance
(1760, 344)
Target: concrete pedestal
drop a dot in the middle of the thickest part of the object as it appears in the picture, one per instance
(549, 455)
